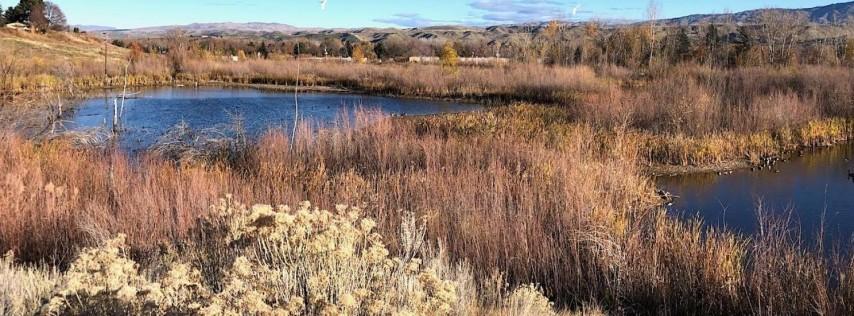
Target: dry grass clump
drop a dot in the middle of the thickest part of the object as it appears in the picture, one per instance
(23, 288)
(182, 143)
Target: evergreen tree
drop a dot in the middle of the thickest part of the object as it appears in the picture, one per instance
(683, 46)
(263, 50)
(712, 37)
(21, 13)
(8, 15)
(712, 44)
(578, 57)
(2, 16)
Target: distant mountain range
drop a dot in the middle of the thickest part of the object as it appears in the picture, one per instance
(838, 13)
(834, 14)
(212, 29)
(93, 28)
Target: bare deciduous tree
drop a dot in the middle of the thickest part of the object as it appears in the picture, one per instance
(780, 31)
(55, 17)
(653, 9)
(177, 51)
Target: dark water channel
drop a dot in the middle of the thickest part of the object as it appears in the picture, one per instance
(149, 114)
(815, 189)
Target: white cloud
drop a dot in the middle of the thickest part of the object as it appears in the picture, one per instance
(413, 20)
(521, 11)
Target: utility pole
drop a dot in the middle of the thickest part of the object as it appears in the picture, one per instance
(106, 76)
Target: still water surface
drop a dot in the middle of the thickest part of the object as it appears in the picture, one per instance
(815, 187)
(151, 113)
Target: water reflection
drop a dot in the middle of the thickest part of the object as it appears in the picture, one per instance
(816, 188)
(150, 113)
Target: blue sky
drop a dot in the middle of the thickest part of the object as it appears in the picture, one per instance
(379, 13)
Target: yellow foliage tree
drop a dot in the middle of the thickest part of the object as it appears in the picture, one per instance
(450, 59)
(358, 54)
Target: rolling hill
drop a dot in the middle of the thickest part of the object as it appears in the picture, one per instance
(834, 14)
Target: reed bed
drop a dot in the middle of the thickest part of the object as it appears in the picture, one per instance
(509, 198)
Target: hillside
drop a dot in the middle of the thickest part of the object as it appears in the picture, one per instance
(55, 46)
(834, 14)
(212, 29)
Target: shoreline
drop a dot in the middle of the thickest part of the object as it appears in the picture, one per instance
(662, 170)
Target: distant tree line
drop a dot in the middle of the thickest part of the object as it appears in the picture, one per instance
(38, 14)
(777, 38)
(398, 48)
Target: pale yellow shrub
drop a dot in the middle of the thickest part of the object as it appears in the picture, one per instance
(319, 262)
(23, 288)
(528, 300)
(103, 281)
(290, 262)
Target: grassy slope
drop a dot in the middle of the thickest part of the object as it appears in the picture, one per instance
(56, 45)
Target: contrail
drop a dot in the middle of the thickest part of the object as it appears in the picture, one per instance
(323, 4)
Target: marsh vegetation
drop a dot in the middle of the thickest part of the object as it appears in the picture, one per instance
(542, 203)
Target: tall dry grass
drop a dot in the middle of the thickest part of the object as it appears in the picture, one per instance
(699, 101)
(513, 82)
(508, 197)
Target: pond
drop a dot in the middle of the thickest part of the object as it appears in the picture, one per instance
(149, 114)
(816, 189)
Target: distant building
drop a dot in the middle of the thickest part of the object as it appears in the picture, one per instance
(332, 59)
(18, 26)
(484, 60)
(423, 60)
(463, 60)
